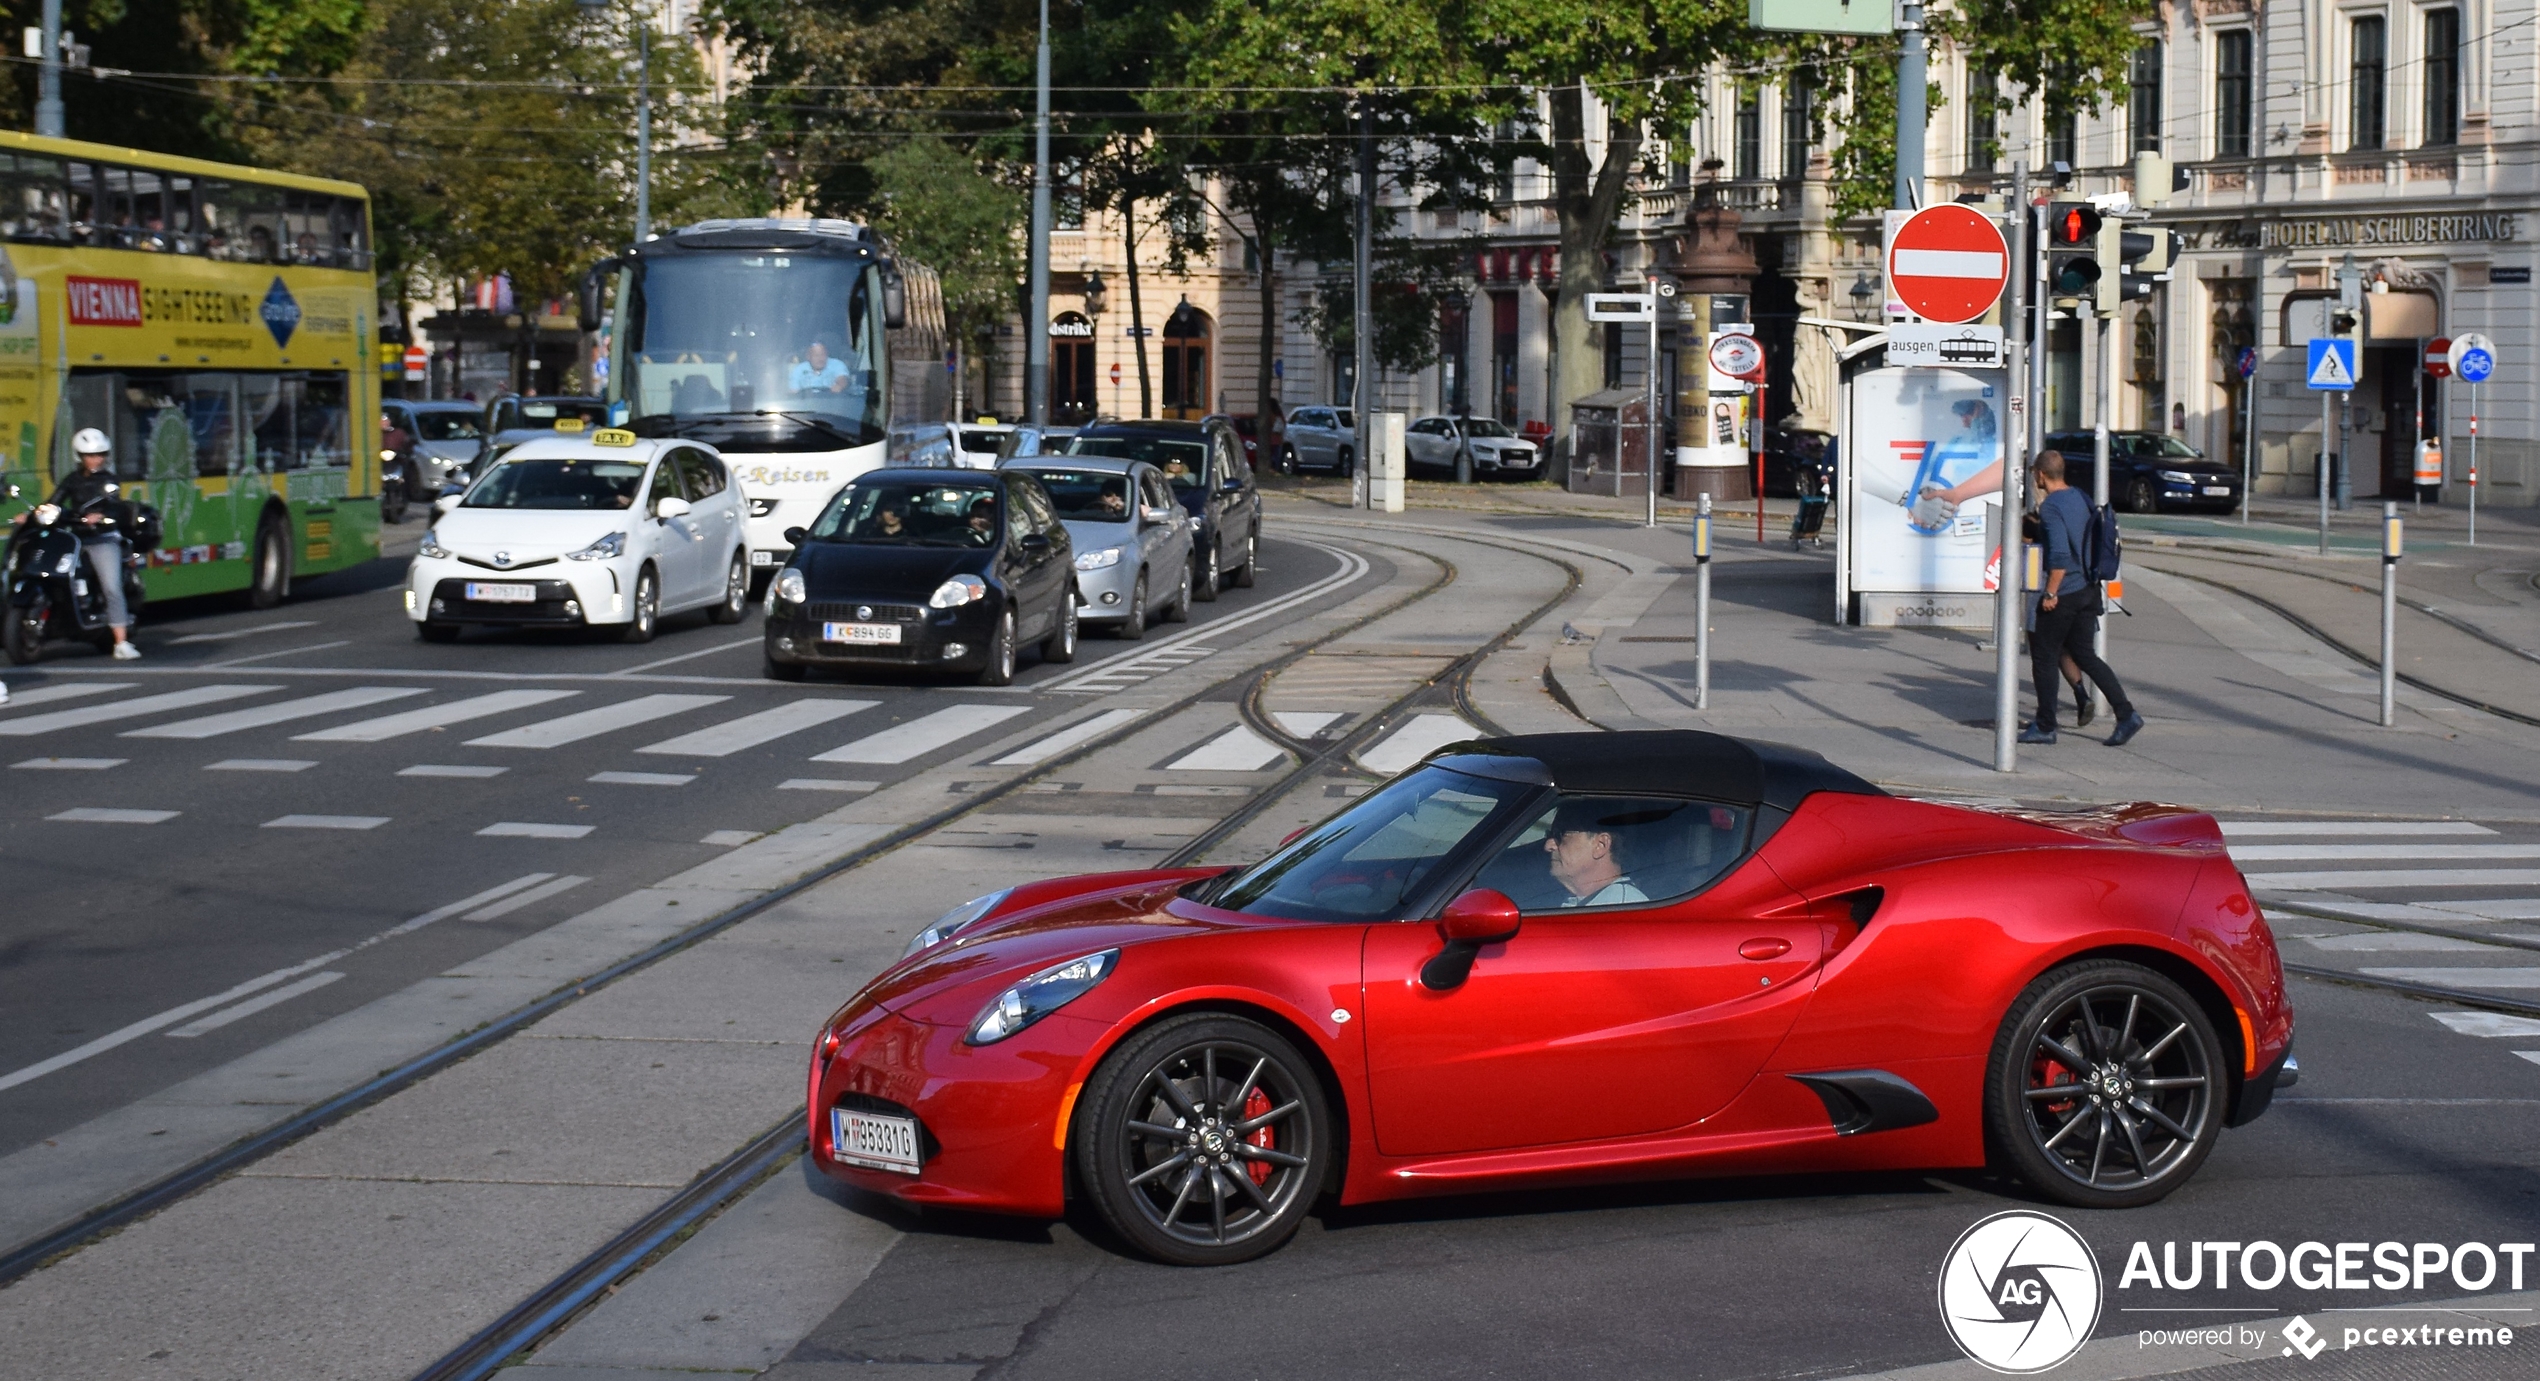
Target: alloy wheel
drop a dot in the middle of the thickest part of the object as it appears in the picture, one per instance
(1218, 1143)
(647, 612)
(2119, 1088)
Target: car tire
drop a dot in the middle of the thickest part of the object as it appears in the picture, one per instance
(1133, 625)
(24, 635)
(2139, 496)
(736, 592)
(2148, 1078)
(1179, 610)
(775, 670)
(1059, 648)
(1000, 668)
(1243, 577)
(1287, 460)
(432, 632)
(393, 500)
(1207, 574)
(646, 609)
(269, 581)
(1228, 1081)
(1345, 463)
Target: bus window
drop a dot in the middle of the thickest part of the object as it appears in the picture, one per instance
(307, 233)
(352, 233)
(267, 413)
(88, 203)
(320, 422)
(32, 198)
(92, 404)
(148, 226)
(241, 220)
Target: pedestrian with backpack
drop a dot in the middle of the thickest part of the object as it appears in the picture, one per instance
(2081, 551)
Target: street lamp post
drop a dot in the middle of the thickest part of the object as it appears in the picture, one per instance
(1036, 331)
(643, 111)
(48, 77)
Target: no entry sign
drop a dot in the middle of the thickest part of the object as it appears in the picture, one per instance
(1947, 263)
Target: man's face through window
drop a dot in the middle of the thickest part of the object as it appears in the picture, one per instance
(1581, 860)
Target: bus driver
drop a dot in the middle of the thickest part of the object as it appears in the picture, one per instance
(816, 372)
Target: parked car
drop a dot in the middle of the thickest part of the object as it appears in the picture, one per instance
(2149, 471)
(1324, 439)
(604, 530)
(922, 446)
(935, 568)
(1441, 442)
(445, 437)
(1203, 461)
(979, 443)
(1133, 541)
(1248, 427)
(1027, 439)
(543, 412)
(1800, 973)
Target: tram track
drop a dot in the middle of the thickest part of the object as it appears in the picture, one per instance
(565, 1297)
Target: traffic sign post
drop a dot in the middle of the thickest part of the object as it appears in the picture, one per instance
(1948, 263)
(2473, 357)
(2331, 371)
(2392, 539)
(2007, 604)
(2248, 366)
(1643, 307)
(1702, 602)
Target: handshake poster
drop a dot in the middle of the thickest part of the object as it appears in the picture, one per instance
(1926, 448)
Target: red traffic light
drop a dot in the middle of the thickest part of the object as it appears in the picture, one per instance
(2072, 223)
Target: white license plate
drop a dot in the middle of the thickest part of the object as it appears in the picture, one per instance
(2218, 489)
(860, 632)
(502, 594)
(874, 1140)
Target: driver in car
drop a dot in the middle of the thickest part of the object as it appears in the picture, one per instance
(1579, 849)
(1115, 504)
(815, 372)
(983, 519)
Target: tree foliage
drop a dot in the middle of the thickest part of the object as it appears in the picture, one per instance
(941, 211)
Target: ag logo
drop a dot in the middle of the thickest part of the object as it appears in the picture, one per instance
(2019, 1292)
(281, 312)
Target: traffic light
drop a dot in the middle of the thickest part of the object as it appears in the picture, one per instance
(2152, 265)
(2073, 229)
(2119, 249)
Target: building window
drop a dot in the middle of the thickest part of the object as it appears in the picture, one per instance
(2231, 93)
(2143, 98)
(1984, 136)
(2063, 140)
(1504, 160)
(1798, 112)
(1749, 162)
(1067, 195)
(2442, 76)
(2368, 78)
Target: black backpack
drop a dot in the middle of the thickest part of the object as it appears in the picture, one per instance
(2102, 546)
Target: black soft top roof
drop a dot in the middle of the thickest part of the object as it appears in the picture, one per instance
(1662, 762)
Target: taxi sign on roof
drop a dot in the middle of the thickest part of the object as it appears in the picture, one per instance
(612, 436)
(570, 424)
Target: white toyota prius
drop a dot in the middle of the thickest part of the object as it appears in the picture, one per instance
(607, 529)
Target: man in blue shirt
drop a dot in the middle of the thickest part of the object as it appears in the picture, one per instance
(2068, 607)
(815, 372)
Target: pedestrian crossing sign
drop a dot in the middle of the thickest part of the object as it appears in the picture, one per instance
(2332, 364)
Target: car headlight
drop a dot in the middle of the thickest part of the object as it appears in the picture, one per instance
(607, 548)
(1039, 995)
(431, 546)
(790, 587)
(2178, 476)
(1098, 560)
(958, 591)
(950, 923)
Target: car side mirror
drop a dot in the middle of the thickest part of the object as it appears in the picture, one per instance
(1150, 513)
(1033, 541)
(1231, 483)
(442, 505)
(794, 536)
(671, 506)
(1477, 918)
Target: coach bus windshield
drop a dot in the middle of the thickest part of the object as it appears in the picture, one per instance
(756, 350)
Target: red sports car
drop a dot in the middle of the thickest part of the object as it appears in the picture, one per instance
(1563, 959)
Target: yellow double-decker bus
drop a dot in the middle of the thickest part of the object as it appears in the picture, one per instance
(216, 322)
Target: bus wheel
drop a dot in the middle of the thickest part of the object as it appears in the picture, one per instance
(271, 582)
(25, 636)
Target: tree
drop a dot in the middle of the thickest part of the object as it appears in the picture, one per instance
(142, 88)
(941, 211)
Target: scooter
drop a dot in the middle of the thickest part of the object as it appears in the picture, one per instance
(51, 597)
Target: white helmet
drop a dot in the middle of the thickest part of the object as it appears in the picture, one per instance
(91, 442)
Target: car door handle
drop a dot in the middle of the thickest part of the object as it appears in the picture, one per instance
(1768, 947)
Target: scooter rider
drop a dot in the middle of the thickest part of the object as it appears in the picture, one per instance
(101, 527)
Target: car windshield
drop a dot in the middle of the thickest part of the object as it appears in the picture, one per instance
(2160, 447)
(546, 412)
(558, 482)
(756, 350)
(1181, 461)
(979, 441)
(1483, 426)
(1086, 495)
(910, 513)
(447, 426)
(1371, 861)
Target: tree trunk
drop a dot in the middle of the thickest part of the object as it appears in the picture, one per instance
(1265, 405)
(961, 372)
(1137, 309)
(1587, 199)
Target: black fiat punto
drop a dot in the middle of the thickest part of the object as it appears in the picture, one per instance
(926, 569)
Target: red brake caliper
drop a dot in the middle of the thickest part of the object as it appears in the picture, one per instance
(1255, 1104)
(2046, 1072)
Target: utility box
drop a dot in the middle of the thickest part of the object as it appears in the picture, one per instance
(1609, 443)
(1384, 477)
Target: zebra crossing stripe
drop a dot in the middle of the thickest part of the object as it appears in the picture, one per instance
(2386, 829)
(922, 735)
(2373, 853)
(751, 730)
(55, 721)
(591, 723)
(434, 717)
(307, 707)
(1423, 735)
(1082, 731)
(1238, 749)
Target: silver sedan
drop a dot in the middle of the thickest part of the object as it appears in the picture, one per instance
(1132, 540)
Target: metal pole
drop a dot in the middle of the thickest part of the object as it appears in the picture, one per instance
(2391, 540)
(2041, 335)
(1758, 424)
(2249, 451)
(1363, 315)
(643, 129)
(1911, 94)
(2099, 444)
(1702, 603)
(2345, 444)
(2328, 426)
(1036, 328)
(2473, 465)
(48, 77)
(1652, 520)
(2006, 600)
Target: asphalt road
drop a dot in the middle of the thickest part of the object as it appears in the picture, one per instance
(166, 851)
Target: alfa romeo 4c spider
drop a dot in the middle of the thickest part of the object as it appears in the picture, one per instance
(1567, 959)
